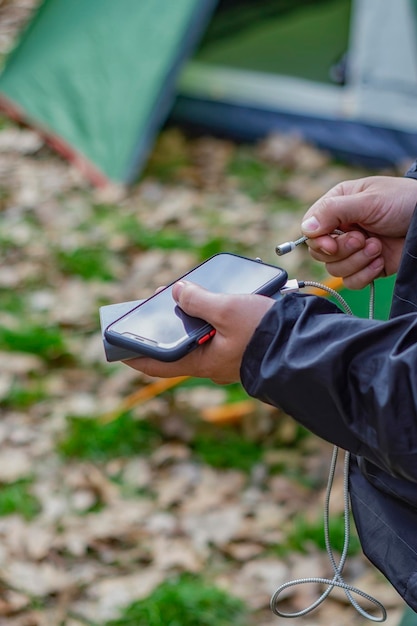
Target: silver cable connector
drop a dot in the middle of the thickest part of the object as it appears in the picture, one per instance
(285, 248)
(289, 246)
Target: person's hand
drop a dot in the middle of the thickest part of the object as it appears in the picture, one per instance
(374, 213)
(235, 318)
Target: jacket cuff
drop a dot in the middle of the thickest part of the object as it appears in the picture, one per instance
(412, 171)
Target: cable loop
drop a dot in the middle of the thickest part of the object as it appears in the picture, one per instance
(331, 585)
(337, 580)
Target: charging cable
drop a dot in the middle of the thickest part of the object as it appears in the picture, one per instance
(289, 246)
(337, 580)
(293, 285)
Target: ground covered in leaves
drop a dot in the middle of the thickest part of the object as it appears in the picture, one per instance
(121, 501)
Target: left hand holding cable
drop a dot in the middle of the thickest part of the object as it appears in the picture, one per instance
(374, 213)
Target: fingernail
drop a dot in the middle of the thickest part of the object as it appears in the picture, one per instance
(310, 225)
(371, 249)
(177, 289)
(353, 244)
(325, 252)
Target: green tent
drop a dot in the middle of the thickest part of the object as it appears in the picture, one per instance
(99, 78)
(341, 73)
(360, 300)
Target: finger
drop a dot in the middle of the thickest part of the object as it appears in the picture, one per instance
(217, 308)
(365, 276)
(199, 302)
(339, 247)
(203, 362)
(162, 369)
(333, 212)
(356, 262)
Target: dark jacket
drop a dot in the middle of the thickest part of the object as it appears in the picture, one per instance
(353, 382)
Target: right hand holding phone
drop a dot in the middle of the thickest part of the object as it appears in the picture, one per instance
(235, 318)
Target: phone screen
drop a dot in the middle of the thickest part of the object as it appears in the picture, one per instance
(159, 322)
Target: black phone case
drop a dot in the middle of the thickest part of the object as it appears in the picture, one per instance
(132, 347)
(161, 354)
(109, 313)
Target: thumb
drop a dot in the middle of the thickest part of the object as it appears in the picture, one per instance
(234, 316)
(193, 299)
(332, 212)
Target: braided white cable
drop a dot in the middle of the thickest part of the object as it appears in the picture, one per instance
(333, 292)
(337, 580)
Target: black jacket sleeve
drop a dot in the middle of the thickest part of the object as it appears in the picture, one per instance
(412, 171)
(351, 381)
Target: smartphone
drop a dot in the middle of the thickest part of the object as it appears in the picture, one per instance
(157, 327)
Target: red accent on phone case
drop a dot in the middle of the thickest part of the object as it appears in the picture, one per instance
(203, 339)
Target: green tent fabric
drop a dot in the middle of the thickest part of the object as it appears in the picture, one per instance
(98, 76)
(340, 73)
(361, 301)
(409, 618)
(303, 40)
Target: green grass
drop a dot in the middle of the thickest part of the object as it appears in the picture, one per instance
(226, 448)
(4, 193)
(303, 533)
(88, 263)
(144, 238)
(11, 301)
(24, 396)
(169, 157)
(185, 601)
(256, 179)
(141, 237)
(5, 121)
(16, 498)
(216, 245)
(47, 343)
(229, 447)
(90, 438)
